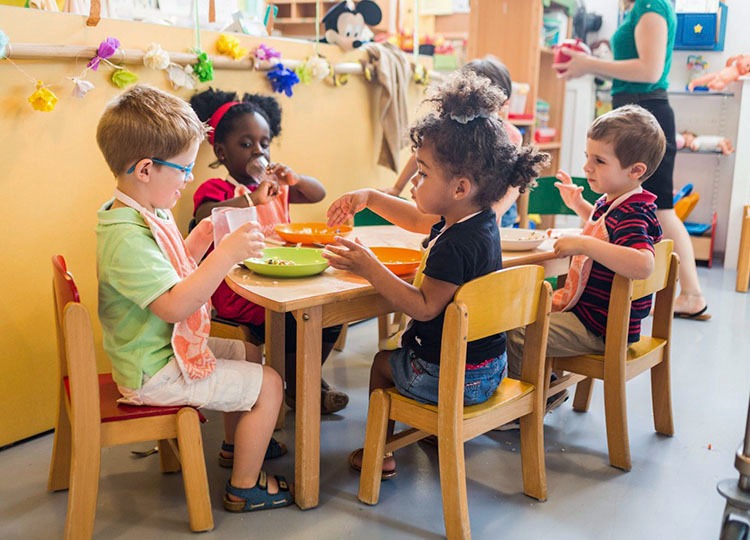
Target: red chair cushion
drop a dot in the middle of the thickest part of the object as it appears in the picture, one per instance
(111, 411)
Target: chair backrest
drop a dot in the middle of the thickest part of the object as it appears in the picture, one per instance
(65, 291)
(545, 198)
(662, 281)
(366, 217)
(490, 304)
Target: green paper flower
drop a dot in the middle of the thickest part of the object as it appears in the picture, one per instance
(204, 69)
(122, 77)
(304, 73)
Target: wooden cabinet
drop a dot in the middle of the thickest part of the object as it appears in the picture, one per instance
(297, 17)
(511, 30)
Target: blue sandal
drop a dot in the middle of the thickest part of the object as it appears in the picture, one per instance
(275, 450)
(257, 497)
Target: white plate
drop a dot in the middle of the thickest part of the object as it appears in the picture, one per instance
(521, 239)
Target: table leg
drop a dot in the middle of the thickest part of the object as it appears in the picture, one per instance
(307, 419)
(275, 350)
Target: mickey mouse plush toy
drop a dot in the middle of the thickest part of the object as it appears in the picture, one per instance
(346, 23)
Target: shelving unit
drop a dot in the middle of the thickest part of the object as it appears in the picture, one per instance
(510, 30)
(711, 173)
(297, 17)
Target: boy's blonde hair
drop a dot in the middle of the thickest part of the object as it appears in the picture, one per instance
(145, 122)
(635, 135)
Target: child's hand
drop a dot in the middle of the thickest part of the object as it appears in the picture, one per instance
(567, 246)
(265, 191)
(344, 208)
(351, 256)
(200, 238)
(284, 174)
(244, 243)
(571, 193)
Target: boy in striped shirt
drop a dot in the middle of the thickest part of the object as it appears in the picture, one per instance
(624, 147)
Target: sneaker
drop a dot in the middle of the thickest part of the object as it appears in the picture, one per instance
(553, 402)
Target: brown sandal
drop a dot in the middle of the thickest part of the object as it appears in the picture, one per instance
(384, 475)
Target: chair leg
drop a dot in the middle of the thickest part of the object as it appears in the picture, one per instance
(453, 485)
(59, 467)
(743, 257)
(341, 341)
(374, 448)
(661, 397)
(168, 459)
(532, 456)
(194, 470)
(615, 411)
(84, 487)
(582, 399)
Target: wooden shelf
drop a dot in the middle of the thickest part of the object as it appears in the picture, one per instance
(554, 145)
(522, 122)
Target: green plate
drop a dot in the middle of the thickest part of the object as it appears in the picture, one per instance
(307, 262)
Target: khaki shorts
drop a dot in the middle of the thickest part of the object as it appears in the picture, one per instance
(233, 386)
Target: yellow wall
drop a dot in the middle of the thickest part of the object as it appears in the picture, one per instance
(54, 179)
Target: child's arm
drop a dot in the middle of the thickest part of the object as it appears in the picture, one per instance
(191, 293)
(302, 189)
(200, 238)
(572, 195)
(423, 303)
(627, 261)
(404, 176)
(397, 211)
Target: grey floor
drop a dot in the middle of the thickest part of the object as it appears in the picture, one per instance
(670, 492)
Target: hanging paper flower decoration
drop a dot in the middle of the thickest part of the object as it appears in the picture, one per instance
(122, 77)
(265, 53)
(282, 79)
(43, 99)
(181, 77)
(4, 40)
(315, 68)
(230, 46)
(204, 69)
(106, 49)
(421, 75)
(81, 87)
(155, 57)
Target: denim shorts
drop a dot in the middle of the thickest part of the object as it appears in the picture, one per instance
(418, 379)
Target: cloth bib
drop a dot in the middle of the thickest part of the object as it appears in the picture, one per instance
(580, 265)
(189, 337)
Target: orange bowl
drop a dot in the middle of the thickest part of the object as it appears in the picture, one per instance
(311, 232)
(400, 261)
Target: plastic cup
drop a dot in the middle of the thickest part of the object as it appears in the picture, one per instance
(227, 219)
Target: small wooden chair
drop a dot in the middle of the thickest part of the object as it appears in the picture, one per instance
(525, 301)
(622, 361)
(743, 256)
(89, 418)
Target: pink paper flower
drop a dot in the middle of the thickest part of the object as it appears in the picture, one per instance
(106, 49)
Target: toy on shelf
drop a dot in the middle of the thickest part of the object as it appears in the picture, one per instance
(346, 24)
(697, 68)
(704, 143)
(685, 201)
(736, 67)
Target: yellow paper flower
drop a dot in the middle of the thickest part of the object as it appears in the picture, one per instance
(230, 46)
(43, 99)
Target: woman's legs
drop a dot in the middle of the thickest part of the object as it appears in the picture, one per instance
(690, 300)
(250, 431)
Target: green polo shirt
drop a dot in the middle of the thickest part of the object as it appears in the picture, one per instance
(623, 44)
(132, 272)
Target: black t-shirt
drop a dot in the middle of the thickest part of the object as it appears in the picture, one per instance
(465, 251)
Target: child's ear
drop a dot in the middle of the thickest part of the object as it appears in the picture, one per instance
(638, 169)
(462, 189)
(143, 170)
(219, 152)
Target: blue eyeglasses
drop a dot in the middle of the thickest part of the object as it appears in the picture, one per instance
(187, 169)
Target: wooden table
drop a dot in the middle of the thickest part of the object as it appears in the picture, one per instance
(333, 297)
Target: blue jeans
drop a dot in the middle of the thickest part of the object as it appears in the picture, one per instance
(509, 218)
(418, 379)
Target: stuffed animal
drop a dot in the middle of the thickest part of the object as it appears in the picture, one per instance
(704, 143)
(736, 67)
(346, 23)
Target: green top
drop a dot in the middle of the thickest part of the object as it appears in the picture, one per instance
(623, 44)
(132, 272)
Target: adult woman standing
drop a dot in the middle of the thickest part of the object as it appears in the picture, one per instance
(642, 47)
